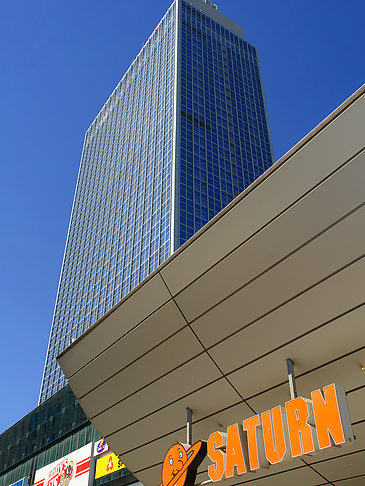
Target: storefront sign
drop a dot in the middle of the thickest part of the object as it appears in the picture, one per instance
(107, 465)
(72, 470)
(21, 482)
(301, 427)
(100, 447)
(180, 465)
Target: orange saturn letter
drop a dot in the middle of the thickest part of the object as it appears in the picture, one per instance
(274, 435)
(256, 452)
(236, 443)
(332, 416)
(216, 442)
(300, 432)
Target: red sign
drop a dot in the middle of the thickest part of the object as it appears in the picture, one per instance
(72, 470)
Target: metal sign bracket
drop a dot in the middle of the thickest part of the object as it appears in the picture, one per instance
(189, 426)
(291, 378)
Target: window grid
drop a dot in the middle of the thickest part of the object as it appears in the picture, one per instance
(120, 224)
(225, 141)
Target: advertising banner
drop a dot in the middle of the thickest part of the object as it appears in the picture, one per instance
(70, 470)
(107, 465)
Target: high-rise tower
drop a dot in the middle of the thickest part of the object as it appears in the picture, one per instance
(181, 135)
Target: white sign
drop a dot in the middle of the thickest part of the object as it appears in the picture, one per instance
(100, 447)
(72, 470)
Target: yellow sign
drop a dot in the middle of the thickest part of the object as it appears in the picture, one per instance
(107, 465)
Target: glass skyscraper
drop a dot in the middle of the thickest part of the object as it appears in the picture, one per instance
(182, 134)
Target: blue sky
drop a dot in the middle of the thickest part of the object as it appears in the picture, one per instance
(60, 60)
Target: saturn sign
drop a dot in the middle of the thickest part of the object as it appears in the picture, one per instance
(300, 427)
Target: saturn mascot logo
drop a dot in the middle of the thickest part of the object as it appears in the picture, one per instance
(180, 465)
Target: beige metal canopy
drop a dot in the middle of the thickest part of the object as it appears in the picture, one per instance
(279, 273)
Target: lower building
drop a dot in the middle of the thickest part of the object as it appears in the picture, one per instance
(271, 288)
(55, 445)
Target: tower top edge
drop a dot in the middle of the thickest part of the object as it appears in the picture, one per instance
(206, 7)
(211, 10)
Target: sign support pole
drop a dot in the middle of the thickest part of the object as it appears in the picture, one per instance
(291, 379)
(92, 465)
(189, 427)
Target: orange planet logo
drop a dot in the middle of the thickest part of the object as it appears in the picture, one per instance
(180, 466)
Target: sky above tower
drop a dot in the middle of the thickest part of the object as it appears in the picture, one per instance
(60, 62)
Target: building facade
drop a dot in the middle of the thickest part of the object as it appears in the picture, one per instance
(256, 325)
(46, 438)
(183, 133)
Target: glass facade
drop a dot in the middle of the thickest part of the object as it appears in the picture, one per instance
(183, 133)
(225, 142)
(54, 429)
(120, 224)
(27, 467)
(38, 435)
